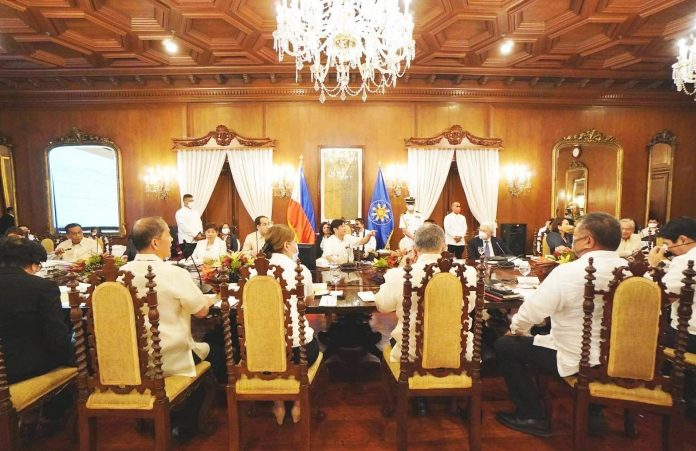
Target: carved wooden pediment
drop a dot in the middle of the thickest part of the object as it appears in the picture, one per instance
(591, 136)
(454, 136)
(222, 137)
(77, 137)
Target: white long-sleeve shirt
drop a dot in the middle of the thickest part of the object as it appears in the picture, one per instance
(336, 251)
(80, 251)
(204, 250)
(455, 225)
(188, 223)
(673, 282)
(560, 296)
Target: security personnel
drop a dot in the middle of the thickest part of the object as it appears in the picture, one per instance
(409, 222)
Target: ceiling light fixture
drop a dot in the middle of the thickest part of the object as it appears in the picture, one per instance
(684, 70)
(371, 37)
(506, 46)
(170, 45)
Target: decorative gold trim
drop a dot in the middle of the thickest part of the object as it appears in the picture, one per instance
(3, 173)
(454, 136)
(591, 136)
(223, 137)
(77, 137)
(666, 137)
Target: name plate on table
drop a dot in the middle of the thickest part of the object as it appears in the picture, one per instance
(328, 301)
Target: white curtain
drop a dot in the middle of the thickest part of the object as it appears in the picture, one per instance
(427, 172)
(479, 172)
(251, 174)
(199, 171)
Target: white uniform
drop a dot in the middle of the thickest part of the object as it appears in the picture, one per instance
(188, 223)
(80, 251)
(336, 251)
(673, 282)
(410, 222)
(204, 251)
(455, 225)
(178, 298)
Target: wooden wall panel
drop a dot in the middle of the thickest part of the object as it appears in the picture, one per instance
(529, 132)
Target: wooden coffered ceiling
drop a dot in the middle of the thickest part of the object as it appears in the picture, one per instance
(609, 48)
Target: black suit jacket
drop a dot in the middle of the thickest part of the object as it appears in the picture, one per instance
(6, 221)
(34, 334)
(498, 247)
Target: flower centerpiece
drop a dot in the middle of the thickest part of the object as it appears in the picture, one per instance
(229, 263)
(562, 257)
(93, 263)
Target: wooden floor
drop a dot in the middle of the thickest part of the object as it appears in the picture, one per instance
(354, 422)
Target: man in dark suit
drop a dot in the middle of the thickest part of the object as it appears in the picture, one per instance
(7, 220)
(492, 245)
(34, 334)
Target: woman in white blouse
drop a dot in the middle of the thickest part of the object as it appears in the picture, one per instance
(282, 250)
(211, 247)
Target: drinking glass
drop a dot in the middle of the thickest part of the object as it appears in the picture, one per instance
(335, 276)
(481, 250)
(525, 268)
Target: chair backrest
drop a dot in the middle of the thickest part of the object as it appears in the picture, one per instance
(634, 318)
(48, 244)
(125, 355)
(545, 248)
(5, 401)
(442, 320)
(264, 323)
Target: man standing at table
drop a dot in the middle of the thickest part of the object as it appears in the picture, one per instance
(455, 230)
(560, 297)
(409, 222)
(188, 221)
(76, 247)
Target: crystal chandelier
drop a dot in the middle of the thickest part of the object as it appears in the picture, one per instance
(684, 70)
(374, 37)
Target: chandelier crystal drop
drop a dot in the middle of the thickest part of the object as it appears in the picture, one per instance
(684, 70)
(371, 37)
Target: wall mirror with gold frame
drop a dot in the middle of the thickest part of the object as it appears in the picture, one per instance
(84, 183)
(660, 171)
(586, 171)
(341, 182)
(8, 182)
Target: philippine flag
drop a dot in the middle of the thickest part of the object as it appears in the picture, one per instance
(301, 211)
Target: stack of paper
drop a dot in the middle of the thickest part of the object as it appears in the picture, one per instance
(320, 289)
(366, 296)
(328, 301)
(528, 280)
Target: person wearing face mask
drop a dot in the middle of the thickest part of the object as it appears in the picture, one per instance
(409, 222)
(560, 238)
(34, 335)
(282, 250)
(679, 237)
(211, 247)
(492, 245)
(560, 296)
(230, 239)
(188, 221)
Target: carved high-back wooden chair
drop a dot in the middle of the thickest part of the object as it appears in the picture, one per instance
(266, 370)
(441, 367)
(125, 377)
(635, 317)
(685, 310)
(24, 396)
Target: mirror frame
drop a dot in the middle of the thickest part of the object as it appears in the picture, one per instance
(577, 166)
(587, 137)
(662, 137)
(324, 152)
(4, 167)
(77, 137)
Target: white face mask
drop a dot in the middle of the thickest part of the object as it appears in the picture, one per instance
(225, 231)
(410, 207)
(191, 205)
(483, 236)
(652, 225)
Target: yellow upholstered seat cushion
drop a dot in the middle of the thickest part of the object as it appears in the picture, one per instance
(48, 244)
(643, 395)
(173, 387)
(27, 392)
(290, 386)
(689, 358)
(419, 382)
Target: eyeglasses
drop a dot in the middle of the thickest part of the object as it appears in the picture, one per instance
(680, 245)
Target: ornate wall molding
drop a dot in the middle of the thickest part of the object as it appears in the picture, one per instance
(591, 136)
(223, 137)
(454, 136)
(77, 137)
(664, 136)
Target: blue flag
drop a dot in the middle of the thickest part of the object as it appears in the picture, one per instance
(380, 216)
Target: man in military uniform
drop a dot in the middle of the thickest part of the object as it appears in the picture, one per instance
(409, 223)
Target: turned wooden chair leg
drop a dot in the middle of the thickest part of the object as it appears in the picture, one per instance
(581, 411)
(204, 418)
(233, 421)
(402, 417)
(388, 383)
(88, 431)
(163, 430)
(9, 431)
(305, 420)
(475, 421)
(672, 432)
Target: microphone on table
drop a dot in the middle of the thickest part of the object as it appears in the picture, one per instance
(499, 246)
(509, 263)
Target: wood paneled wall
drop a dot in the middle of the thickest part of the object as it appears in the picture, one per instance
(144, 132)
